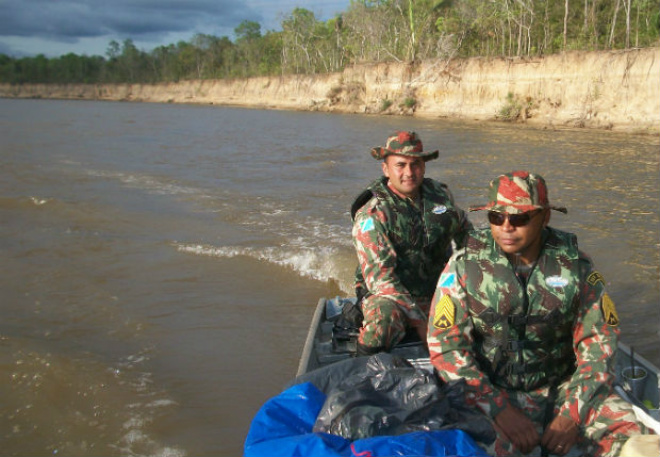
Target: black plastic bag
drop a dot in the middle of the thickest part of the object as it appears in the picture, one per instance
(386, 395)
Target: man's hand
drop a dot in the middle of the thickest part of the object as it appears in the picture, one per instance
(560, 436)
(518, 429)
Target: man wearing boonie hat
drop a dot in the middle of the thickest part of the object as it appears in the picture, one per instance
(403, 228)
(523, 316)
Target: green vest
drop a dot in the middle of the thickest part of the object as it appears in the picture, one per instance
(523, 328)
(421, 236)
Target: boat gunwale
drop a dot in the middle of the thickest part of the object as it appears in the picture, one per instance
(308, 348)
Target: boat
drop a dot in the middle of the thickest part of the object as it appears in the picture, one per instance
(326, 348)
(321, 349)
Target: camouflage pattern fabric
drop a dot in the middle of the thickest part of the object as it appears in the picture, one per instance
(611, 423)
(570, 335)
(518, 192)
(401, 248)
(406, 144)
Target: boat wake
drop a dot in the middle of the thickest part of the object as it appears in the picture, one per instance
(319, 263)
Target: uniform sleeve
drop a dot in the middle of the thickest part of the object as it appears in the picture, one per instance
(377, 261)
(450, 340)
(595, 336)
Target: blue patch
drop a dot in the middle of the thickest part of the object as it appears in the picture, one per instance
(556, 281)
(367, 225)
(447, 280)
(440, 209)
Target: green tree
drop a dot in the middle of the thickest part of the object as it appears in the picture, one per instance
(248, 44)
(271, 44)
(298, 41)
(369, 31)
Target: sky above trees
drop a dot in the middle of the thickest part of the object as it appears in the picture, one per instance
(85, 27)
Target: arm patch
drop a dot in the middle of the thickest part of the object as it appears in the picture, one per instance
(595, 278)
(609, 311)
(445, 313)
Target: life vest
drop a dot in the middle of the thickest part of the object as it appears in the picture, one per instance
(523, 329)
(421, 237)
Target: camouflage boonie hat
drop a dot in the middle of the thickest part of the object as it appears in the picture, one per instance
(405, 144)
(518, 192)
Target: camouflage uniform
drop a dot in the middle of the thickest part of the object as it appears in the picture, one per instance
(402, 244)
(551, 335)
(402, 248)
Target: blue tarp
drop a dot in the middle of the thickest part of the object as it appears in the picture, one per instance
(283, 428)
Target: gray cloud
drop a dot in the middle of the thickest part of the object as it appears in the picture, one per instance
(70, 20)
(57, 27)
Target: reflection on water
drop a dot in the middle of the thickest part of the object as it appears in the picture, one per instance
(160, 263)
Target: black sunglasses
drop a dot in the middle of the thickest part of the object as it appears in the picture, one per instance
(516, 220)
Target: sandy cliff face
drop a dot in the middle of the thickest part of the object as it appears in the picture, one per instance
(605, 90)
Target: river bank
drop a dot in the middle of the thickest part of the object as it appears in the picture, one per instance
(608, 90)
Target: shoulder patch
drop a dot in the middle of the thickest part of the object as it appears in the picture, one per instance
(447, 280)
(595, 278)
(445, 313)
(367, 225)
(609, 311)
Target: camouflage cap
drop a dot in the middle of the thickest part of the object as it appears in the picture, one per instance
(518, 192)
(405, 144)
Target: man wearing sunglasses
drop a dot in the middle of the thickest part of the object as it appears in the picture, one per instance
(403, 229)
(523, 316)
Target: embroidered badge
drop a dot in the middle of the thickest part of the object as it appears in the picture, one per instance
(609, 311)
(595, 278)
(447, 280)
(445, 313)
(440, 209)
(556, 281)
(367, 225)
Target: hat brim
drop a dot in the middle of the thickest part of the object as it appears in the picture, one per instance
(379, 153)
(515, 209)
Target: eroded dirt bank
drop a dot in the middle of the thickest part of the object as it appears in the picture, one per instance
(618, 90)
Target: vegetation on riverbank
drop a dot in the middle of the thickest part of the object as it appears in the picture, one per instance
(370, 31)
(610, 90)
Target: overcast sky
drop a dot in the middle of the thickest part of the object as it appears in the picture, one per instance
(57, 27)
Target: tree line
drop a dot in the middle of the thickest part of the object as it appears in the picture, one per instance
(368, 31)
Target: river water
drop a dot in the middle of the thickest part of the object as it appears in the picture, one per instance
(159, 264)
